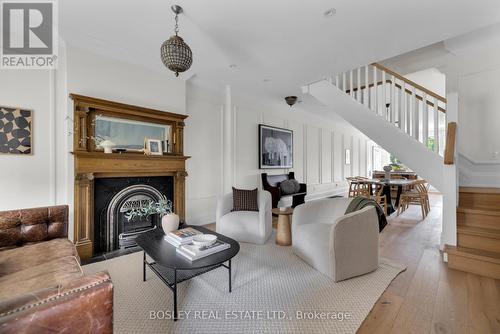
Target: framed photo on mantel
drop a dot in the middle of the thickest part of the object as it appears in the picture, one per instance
(275, 147)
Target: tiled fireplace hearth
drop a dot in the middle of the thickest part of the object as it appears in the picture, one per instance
(105, 184)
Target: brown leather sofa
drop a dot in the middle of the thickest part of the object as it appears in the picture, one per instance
(42, 286)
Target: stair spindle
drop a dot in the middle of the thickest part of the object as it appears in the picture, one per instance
(409, 110)
(402, 110)
(384, 96)
(344, 83)
(375, 88)
(351, 84)
(366, 93)
(337, 81)
(436, 126)
(393, 100)
(358, 94)
(425, 119)
(415, 106)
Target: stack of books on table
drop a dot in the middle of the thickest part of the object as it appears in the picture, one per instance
(192, 252)
(182, 236)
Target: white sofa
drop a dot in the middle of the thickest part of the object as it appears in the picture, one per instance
(245, 226)
(340, 246)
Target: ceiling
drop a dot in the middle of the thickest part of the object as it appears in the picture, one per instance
(287, 42)
(459, 56)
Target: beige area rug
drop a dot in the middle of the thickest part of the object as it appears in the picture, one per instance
(274, 291)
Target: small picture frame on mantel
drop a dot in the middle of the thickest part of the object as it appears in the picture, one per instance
(153, 146)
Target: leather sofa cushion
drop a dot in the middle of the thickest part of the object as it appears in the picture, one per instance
(53, 273)
(20, 258)
(18, 227)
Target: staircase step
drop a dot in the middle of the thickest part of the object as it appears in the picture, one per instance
(474, 261)
(479, 198)
(479, 218)
(486, 239)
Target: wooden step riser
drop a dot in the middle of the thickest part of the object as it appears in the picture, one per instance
(479, 201)
(478, 220)
(478, 242)
(475, 266)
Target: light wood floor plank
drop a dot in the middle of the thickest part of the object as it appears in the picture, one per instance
(484, 305)
(381, 318)
(451, 309)
(417, 310)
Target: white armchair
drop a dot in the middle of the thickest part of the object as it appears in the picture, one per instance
(245, 226)
(339, 246)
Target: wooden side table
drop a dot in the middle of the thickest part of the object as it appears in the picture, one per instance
(284, 232)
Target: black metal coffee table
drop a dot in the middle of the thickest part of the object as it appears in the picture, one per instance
(173, 268)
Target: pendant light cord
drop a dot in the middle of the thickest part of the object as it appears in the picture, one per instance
(176, 29)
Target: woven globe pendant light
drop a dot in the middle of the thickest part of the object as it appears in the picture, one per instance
(176, 55)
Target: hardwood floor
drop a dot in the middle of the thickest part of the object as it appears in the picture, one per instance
(429, 297)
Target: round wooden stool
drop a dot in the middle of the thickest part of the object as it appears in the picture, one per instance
(284, 231)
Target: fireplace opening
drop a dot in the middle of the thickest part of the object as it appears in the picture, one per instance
(113, 198)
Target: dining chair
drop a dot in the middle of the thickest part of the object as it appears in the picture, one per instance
(416, 196)
(352, 186)
(380, 197)
(363, 188)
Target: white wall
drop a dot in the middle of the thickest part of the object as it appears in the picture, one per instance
(26, 180)
(479, 113)
(318, 149)
(203, 142)
(478, 129)
(430, 78)
(103, 77)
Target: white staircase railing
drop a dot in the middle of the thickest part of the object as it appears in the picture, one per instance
(404, 118)
(415, 110)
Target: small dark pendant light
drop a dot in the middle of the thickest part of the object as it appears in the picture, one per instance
(290, 100)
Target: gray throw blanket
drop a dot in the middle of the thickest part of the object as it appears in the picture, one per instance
(359, 203)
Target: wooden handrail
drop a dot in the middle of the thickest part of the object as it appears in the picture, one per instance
(449, 150)
(408, 81)
(399, 87)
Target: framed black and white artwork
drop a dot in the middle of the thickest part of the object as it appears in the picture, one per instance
(16, 131)
(275, 147)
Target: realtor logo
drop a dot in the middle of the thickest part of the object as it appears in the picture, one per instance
(29, 36)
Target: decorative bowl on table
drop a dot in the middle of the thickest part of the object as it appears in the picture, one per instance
(203, 240)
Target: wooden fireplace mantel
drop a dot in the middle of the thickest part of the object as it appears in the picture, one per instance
(90, 164)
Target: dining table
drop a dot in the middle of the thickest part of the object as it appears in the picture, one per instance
(387, 184)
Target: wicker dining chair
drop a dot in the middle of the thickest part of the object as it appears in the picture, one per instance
(417, 196)
(352, 186)
(380, 197)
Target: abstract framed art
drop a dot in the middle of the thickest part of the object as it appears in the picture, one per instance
(16, 131)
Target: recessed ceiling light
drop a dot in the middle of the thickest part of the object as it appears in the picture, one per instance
(330, 12)
(232, 65)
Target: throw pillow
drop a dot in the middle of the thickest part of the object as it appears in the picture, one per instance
(289, 187)
(245, 200)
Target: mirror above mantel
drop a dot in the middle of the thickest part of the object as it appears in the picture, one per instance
(127, 126)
